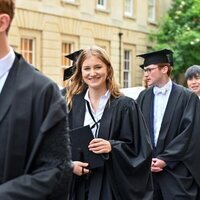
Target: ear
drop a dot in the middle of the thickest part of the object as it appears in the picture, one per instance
(165, 69)
(4, 22)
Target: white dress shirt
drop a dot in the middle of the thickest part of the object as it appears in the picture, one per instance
(98, 114)
(5, 65)
(160, 102)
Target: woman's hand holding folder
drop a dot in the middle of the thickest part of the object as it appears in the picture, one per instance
(99, 146)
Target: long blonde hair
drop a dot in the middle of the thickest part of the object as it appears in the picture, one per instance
(77, 85)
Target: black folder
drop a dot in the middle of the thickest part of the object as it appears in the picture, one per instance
(80, 139)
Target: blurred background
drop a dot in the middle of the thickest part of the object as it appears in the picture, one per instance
(46, 30)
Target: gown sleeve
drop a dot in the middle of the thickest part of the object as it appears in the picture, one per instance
(47, 173)
(130, 158)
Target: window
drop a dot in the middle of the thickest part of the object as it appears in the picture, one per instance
(101, 4)
(127, 69)
(66, 49)
(151, 10)
(30, 46)
(28, 50)
(128, 8)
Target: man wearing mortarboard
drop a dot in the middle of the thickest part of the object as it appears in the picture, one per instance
(171, 114)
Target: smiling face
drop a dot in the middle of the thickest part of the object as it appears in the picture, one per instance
(94, 73)
(194, 84)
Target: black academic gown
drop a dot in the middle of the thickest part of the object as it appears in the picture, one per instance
(179, 137)
(126, 172)
(36, 164)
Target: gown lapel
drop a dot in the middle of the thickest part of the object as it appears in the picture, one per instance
(168, 116)
(104, 130)
(13, 92)
(8, 92)
(148, 107)
(79, 111)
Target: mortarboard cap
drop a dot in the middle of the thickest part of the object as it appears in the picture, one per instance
(80, 139)
(68, 72)
(162, 56)
(74, 56)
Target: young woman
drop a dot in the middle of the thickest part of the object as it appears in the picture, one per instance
(120, 134)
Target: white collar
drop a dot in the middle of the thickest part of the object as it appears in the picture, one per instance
(6, 62)
(164, 89)
(106, 95)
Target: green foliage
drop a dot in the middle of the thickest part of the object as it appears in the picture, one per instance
(179, 31)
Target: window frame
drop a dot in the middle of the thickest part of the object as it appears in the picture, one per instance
(28, 52)
(102, 6)
(65, 62)
(131, 10)
(37, 36)
(152, 10)
(127, 83)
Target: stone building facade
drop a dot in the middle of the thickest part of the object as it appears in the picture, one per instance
(46, 30)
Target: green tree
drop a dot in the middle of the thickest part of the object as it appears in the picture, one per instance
(179, 31)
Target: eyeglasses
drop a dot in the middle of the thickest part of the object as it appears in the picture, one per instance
(148, 70)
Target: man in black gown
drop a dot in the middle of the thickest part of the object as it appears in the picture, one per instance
(172, 115)
(34, 146)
